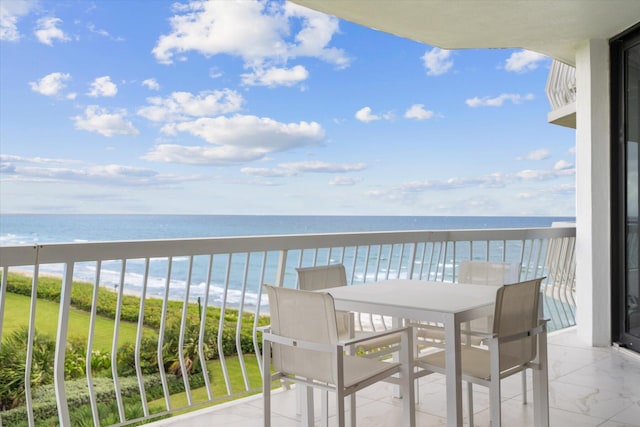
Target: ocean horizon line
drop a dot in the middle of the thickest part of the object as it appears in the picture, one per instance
(286, 215)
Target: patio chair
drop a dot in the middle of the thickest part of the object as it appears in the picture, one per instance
(329, 276)
(333, 275)
(517, 342)
(493, 274)
(303, 346)
(472, 273)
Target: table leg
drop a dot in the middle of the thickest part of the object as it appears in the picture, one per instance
(454, 370)
(541, 385)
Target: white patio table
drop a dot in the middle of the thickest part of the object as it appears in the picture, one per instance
(447, 303)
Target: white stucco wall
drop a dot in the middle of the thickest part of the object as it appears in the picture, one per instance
(593, 193)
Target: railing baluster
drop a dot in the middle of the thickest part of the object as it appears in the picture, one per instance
(114, 344)
(433, 250)
(365, 267)
(183, 330)
(92, 327)
(400, 259)
(239, 324)
(163, 324)
(3, 296)
(388, 266)
(412, 260)
(201, 334)
(139, 332)
(256, 317)
(223, 362)
(61, 345)
(30, 339)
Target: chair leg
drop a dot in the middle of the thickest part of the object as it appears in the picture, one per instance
(324, 408)
(340, 408)
(470, 402)
(266, 385)
(352, 400)
(524, 387)
(541, 385)
(494, 403)
(307, 405)
(299, 397)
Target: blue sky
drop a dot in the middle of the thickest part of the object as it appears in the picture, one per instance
(255, 107)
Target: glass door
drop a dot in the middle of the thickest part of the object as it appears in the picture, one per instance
(626, 139)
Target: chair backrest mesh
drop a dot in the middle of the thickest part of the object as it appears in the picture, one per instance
(516, 311)
(488, 273)
(321, 277)
(307, 316)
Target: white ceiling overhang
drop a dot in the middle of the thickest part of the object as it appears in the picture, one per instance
(552, 27)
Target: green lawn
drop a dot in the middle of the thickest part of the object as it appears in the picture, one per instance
(218, 386)
(17, 315)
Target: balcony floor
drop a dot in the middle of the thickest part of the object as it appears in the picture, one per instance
(588, 387)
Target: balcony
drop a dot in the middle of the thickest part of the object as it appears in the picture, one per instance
(561, 92)
(211, 290)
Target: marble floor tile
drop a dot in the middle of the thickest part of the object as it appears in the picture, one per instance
(587, 387)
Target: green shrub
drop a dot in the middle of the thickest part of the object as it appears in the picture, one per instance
(45, 407)
(82, 294)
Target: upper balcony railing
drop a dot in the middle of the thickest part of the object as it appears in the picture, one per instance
(225, 277)
(561, 92)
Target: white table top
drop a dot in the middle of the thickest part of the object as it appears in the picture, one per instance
(405, 297)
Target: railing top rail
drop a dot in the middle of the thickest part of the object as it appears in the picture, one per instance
(80, 252)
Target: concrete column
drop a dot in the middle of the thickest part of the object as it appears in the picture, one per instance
(593, 193)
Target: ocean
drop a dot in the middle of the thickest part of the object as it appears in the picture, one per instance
(27, 229)
(41, 229)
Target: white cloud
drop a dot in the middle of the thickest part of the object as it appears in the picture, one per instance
(299, 168)
(35, 160)
(365, 115)
(498, 100)
(47, 30)
(524, 61)
(495, 180)
(437, 61)
(104, 33)
(562, 165)
(99, 120)
(236, 139)
(103, 86)
(263, 34)
(215, 72)
(344, 181)
(180, 106)
(545, 175)
(557, 190)
(572, 151)
(151, 84)
(275, 76)
(118, 175)
(10, 13)
(417, 112)
(540, 154)
(317, 30)
(51, 84)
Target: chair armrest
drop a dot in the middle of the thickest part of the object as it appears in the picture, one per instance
(542, 327)
(294, 342)
(264, 329)
(405, 329)
(479, 334)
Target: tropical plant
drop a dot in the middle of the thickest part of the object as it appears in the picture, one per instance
(13, 357)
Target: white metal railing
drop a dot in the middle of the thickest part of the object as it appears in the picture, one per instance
(229, 272)
(561, 85)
